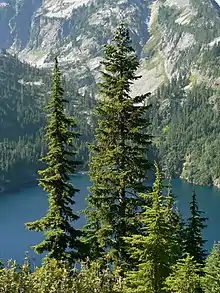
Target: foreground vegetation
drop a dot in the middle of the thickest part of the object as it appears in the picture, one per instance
(135, 239)
(57, 277)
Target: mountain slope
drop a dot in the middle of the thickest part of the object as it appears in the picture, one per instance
(77, 31)
(177, 43)
(22, 94)
(186, 124)
(24, 91)
(74, 30)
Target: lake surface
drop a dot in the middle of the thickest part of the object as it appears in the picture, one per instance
(31, 204)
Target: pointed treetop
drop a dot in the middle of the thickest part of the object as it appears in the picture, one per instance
(170, 198)
(56, 64)
(158, 181)
(194, 195)
(122, 37)
(194, 242)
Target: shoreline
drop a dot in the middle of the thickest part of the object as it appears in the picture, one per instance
(29, 184)
(34, 183)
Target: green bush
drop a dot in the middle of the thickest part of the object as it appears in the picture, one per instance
(57, 277)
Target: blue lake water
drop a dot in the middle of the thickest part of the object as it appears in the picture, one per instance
(30, 204)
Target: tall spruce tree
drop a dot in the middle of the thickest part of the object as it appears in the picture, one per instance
(61, 238)
(153, 247)
(118, 156)
(193, 240)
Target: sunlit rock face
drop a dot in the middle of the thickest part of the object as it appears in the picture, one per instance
(76, 31)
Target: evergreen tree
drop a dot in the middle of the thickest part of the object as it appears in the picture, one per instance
(61, 238)
(193, 242)
(174, 223)
(153, 247)
(211, 279)
(118, 156)
(184, 277)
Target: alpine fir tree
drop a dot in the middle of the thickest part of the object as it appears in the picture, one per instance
(61, 238)
(153, 247)
(211, 278)
(184, 277)
(118, 157)
(193, 242)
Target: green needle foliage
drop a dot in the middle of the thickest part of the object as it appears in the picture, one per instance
(184, 277)
(55, 276)
(211, 280)
(194, 243)
(61, 239)
(174, 224)
(155, 246)
(118, 156)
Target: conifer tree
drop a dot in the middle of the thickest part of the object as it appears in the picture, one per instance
(184, 277)
(211, 278)
(118, 156)
(173, 220)
(61, 238)
(193, 240)
(153, 247)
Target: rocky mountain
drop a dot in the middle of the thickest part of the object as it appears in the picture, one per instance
(163, 31)
(75, 30)
(176, 41)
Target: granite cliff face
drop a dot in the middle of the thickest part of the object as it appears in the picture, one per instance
(163, 31)
(75, 30)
